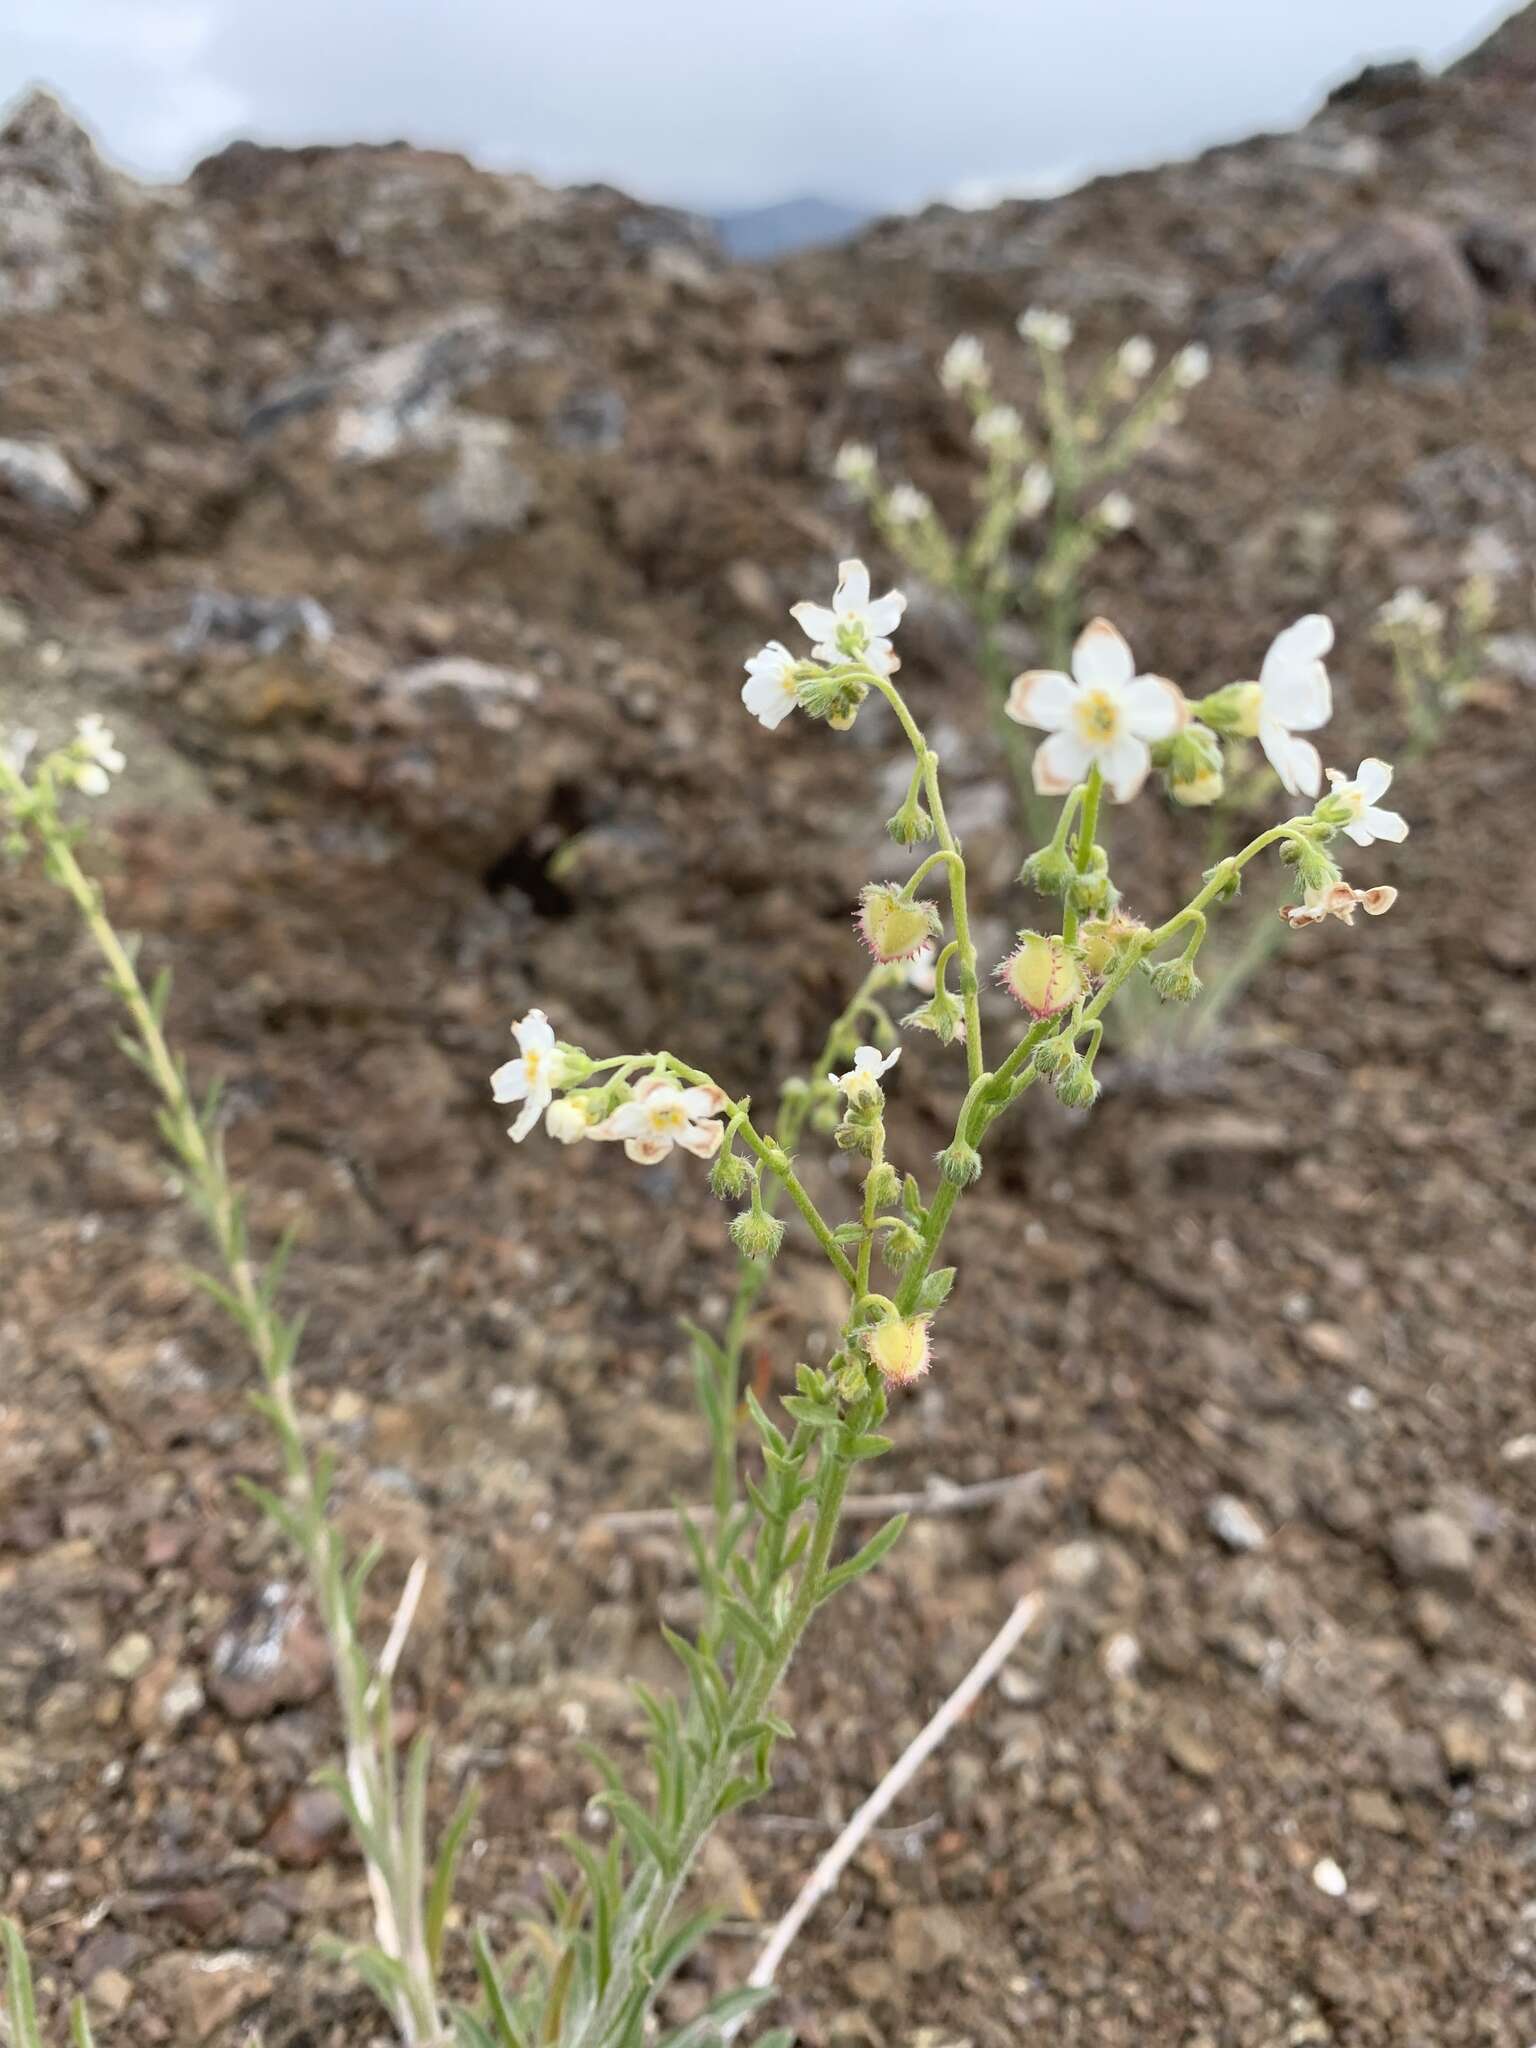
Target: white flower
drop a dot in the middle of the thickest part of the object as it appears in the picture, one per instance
(769, 691)
(854, 465)
(999, 428)
(964, 364)
(533, 1076)
(1103, 715)
(1367, 824)
(868, 1065)
(856, 628)
(97, 757)
(1295, 696)
(1036, 489)
(1116, 511)
(1410, 607)
(1045, 329)
(1191, 366)
(662, 1115)
(907, 505)
(18, 748)
(920, 970)
(1136, 357)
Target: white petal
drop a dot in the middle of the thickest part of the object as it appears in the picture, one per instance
(1358, 830)
(528, 1116)
(629, 1120)
(1061, 762)
(1125, 762)
(1043, 697)
(815, 621)
(509, 1083)
(647, 1151)
(884, 615)
(878, 655)
(533, 1033)
(655, 1084)
(1308, 640)
(852, 593)
(706, 1101)
(1101, 660)
(1374, 779)
(769, 702)
(1297, 762)
(1154, 708)
(1385, 824)
(702, 1140)
(1298, 694)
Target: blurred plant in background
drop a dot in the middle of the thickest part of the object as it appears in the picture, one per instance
(1436, 659)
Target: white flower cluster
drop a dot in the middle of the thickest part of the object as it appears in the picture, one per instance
(94, 756)
(657, 1115)
(854, 629)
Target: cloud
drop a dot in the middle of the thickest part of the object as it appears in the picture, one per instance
(883, 102)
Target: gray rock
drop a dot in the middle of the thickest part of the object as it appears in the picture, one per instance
(487, 492)
(590, 420)
(1232, 1522)
(55, 197)
(266, 624)
(38, 473)
(1430, 1549)
(273, 1654)
(464, 688)
(1395, 291)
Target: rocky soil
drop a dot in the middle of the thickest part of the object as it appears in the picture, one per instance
(410, 524)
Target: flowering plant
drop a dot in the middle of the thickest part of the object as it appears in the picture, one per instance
(768, 1551)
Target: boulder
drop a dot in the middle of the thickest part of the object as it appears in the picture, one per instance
(1396, 291)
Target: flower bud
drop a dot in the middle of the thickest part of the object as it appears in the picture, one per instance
(862, 1128)
(756, 1234)
(1037, 487)
(567, 1119)
(1092, 895)
(851, 1379)
(901, 1245)
(1191, 366)
(1043, 975)
(1049, 872)
(1234, 710)
(960, 1164)
(899, 1348)
(941, 1014)
(895, 927)
(1075, 1085)
(1315, 868)
(883, 1185)
(1052, 1054)
(855, 465)
(1115, 511)
(1104, 941)
(836, 698)
(1175, 980)
(1136, 357)
(1191, 765)
(911, 825)
(730, 1175)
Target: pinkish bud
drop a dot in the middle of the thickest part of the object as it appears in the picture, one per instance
(899, 1349)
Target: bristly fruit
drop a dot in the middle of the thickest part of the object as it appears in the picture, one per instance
(892, 926)
(1043, 974)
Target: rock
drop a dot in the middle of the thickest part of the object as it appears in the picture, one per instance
(108, 1994)
(1330, 1344)
(129, 1656)
(480, 691)
(1329, 1879)
(1465, 1746)
(38, 473)
(55, 197)
(1369, 1808)
(307, 1828)
(1501, 254)
(1232, 1522)
(1186, 1746)
(1395, 291)
(273, 1654)
(266, 624)
(204, 1993)
(487, 492)
(590, 420)
(924, 1938)
(1433, 1618)
(1430, 1549)
(264, 1924)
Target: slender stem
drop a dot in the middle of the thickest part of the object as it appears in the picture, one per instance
(1087, 833)
(934, 860)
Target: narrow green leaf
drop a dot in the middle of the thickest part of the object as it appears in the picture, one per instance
(863, 1560)
(770, 1724)
(508, 2033)
(680, 1944)
(469, 2032)
(440, 1897)
(743, 1622)
(605, 1767)
(868, 1447)
(934, 1291)
(19, 2001)
(814, 1414)
(643, 1834)
(810, 1382)
(80, 2025)
(773, 1438)
(736, 1792)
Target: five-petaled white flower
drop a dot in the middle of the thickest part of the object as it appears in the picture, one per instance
(869, 1063)
(907, 505)
(999, 428)
(856, 628)
(1295, 696)
(533, 1076)
(964, 364)
(769, 691)
(97, 757)
(661, 1115)
(1046, 329)
(1102, 715)
(1136, 357)
(1191, 366)
(854, 464)
(1366, 823)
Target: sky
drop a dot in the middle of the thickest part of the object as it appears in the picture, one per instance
(719, 103)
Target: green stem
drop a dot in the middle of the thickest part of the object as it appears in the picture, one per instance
(1087, 832)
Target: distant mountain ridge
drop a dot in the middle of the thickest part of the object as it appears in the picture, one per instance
(752, 234)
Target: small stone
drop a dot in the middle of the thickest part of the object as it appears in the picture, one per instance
(273, 1654)
(1330, 1344)
(264, 1924)
(924, 1938)
(1432, 1550)
(129, 1656)
(204, 1993)
(1370, 1808)
(307, 1828)
(108, 1994)
(183, 1699)
(1465, 1746)
(1189, 1749)
(1433, 1618)
(69, 1709)
(1328, 1878)
(38, 474)
(1232, 1522)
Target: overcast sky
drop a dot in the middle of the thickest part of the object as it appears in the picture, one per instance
(718, 102)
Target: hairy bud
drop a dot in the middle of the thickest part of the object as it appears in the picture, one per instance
(756, 1234)
(730, 1175)
(1175, 980)
(1075, 1085)
(1043, 974)
(911, 825)
(1234, 710)
(899, 1349)
(1104, 942)
(960, 1164)
(892, 926)
(1049, 872)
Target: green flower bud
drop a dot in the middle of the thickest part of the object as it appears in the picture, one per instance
(756, 1234)
(1315, 868)
(1052, 1054)
(1048, 872)
(1234, 710)
(883, 1185)
(941, 1014)
(730, 1175)
(1192, 766)
(836, 698)
(900, 1245)
(960, 1164)
(852, 1379)
(1175, 980)
(1104, 942)
(863, 1125)
(911, 825)
(1075, 1085)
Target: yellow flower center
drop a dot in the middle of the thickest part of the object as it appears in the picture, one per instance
(531, 1064)
(669, 1117)
(1098, 717)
